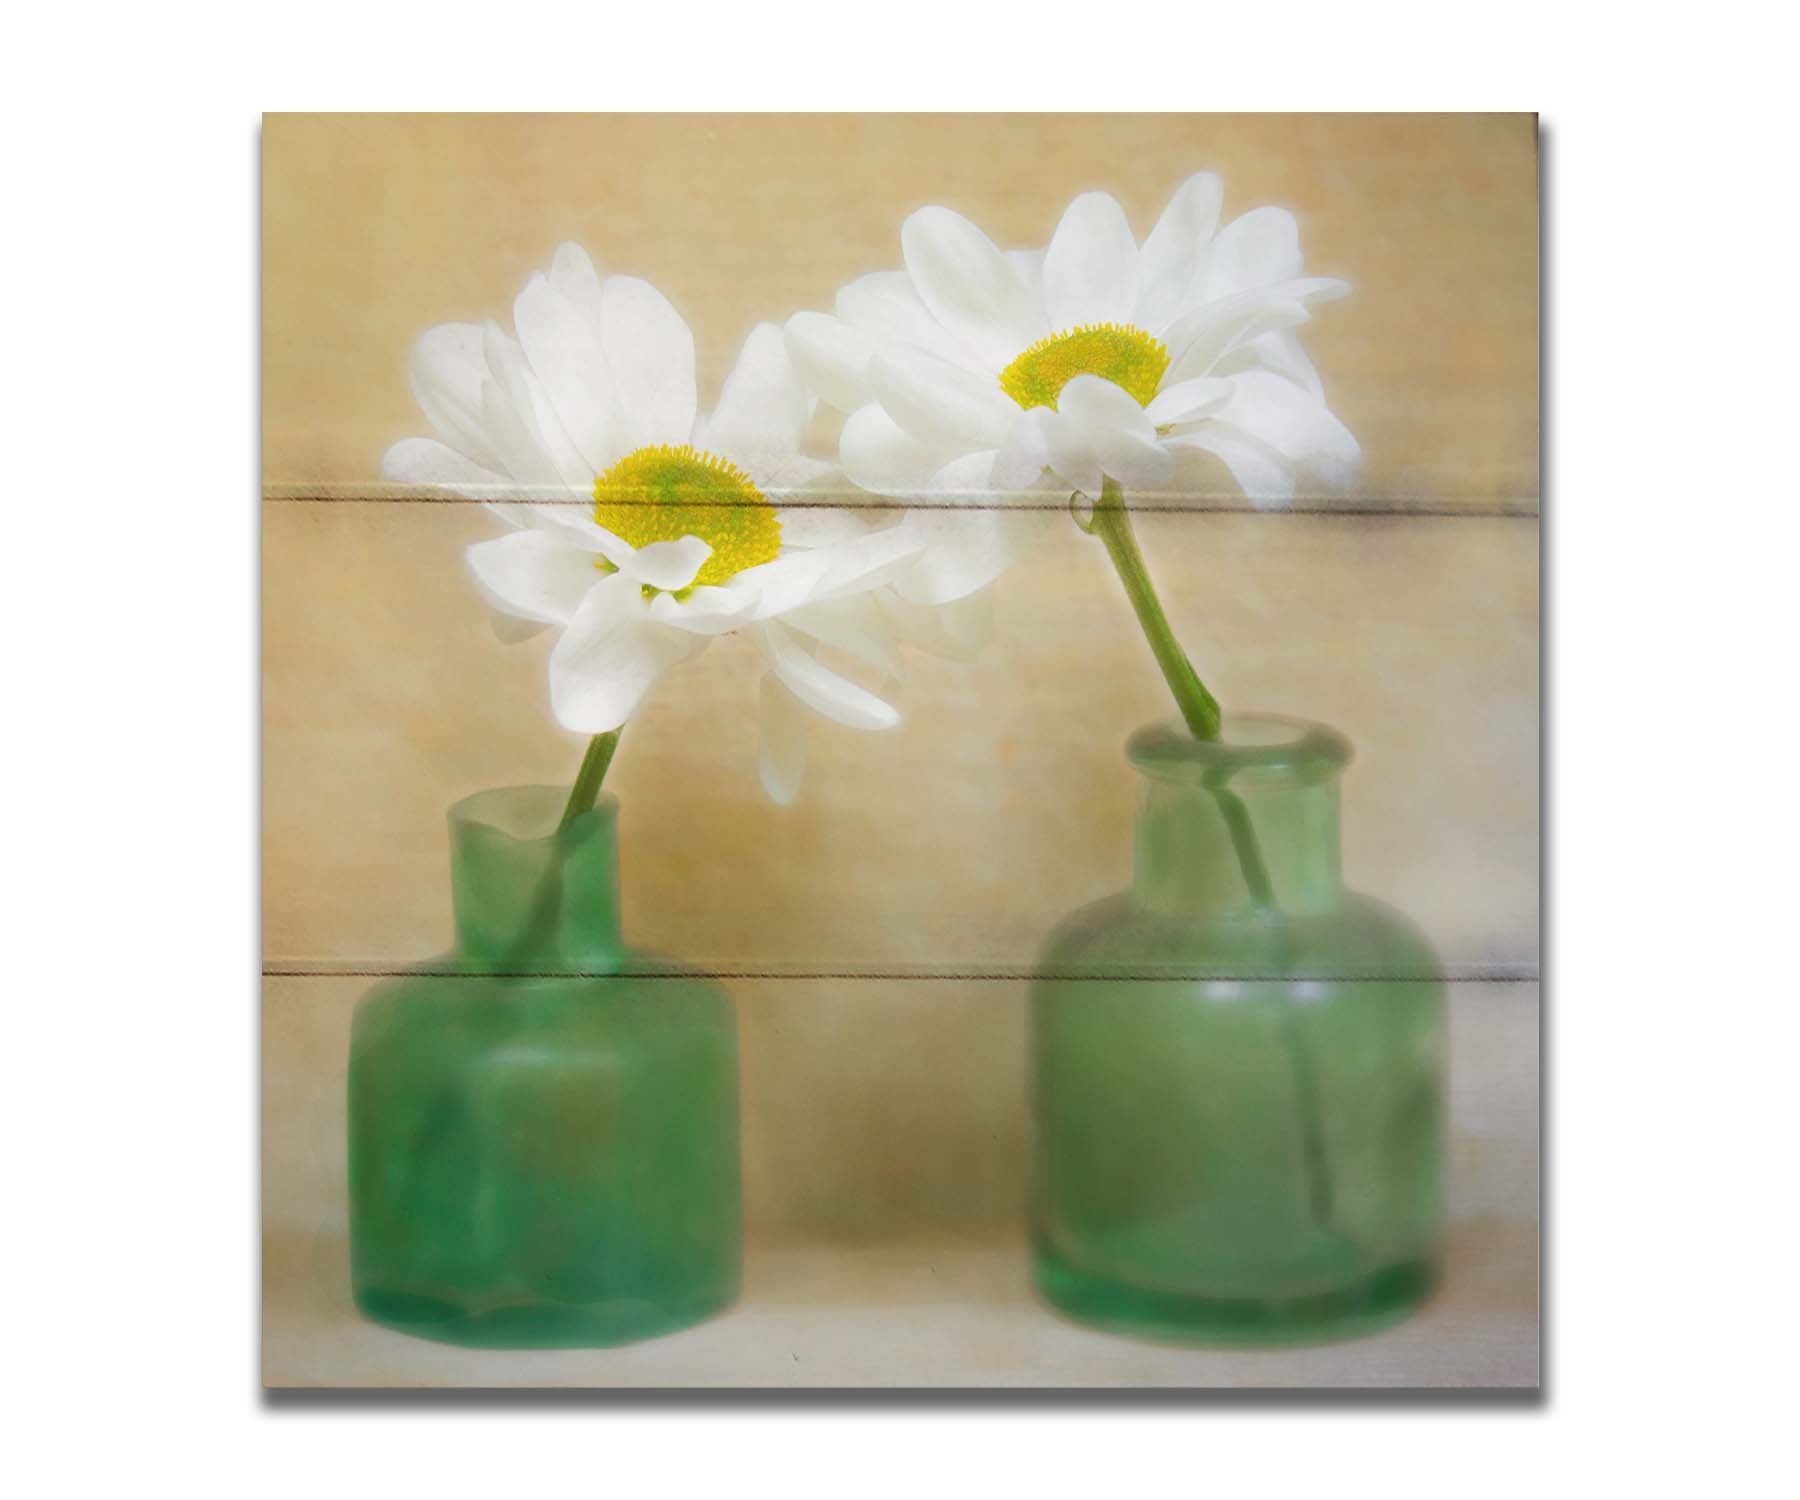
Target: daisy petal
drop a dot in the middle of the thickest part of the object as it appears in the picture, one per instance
(832, 358)
(565, 354)
(878, 455)
(763, 408)
(651, 355)
(1279, 351)
(1292, 422)
(533, 575)
(1265, 480)
(1261, 247)
(856, 566)
(854, 625)
(781, 747)
(822, 525)
(668, 565)
(574, 279)
(573, 527)
(708, 609)
(1099, 405)
(609, 657)
(1188, 400)
(507, 365)
(967, 284)
(966, 550)
(1072, 455)
(802, 477)
(509, 630)
(517, 447)
(820, 688)
(446, 373)
(939, 404)
(429, 464)
(773, 588)
(1137, 462)
(1205, 334)
(1172, 255)
(1028, 266)
(885, 306)
(1025, 454)
(1091, 267)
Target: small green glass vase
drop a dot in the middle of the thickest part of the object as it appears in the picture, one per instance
(1239, 1102)
(543, 1124)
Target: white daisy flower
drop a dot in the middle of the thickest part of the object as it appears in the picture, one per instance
(641, 530)
(974, 371)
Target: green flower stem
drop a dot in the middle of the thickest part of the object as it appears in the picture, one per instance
(546, 901)
(1112, 524)
(594, 763)
(1320, 1195)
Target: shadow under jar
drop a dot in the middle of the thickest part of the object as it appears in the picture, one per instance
(1238, 1065)
(543, 1123)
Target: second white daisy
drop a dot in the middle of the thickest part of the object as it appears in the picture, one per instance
(977, 373)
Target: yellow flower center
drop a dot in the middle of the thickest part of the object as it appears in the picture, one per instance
(662, 494)
(1128, 357)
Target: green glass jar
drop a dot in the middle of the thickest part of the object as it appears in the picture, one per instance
(1238, 1065)
(543, 1123)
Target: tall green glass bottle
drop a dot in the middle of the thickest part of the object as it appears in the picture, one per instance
(543, 1124)
(1239, 1101)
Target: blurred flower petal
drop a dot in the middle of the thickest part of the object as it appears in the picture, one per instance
(781, 747)
(1091, 267)
(821, 689)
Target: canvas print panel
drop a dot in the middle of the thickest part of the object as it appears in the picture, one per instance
(866, 738)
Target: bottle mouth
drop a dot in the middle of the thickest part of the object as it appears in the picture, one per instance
(1262, 747)
(523, 814)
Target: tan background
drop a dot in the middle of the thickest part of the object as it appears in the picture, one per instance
(879, 1107)
(374, 228)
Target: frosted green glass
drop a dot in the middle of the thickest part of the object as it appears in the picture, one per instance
(1239, 1105)
(543, 1123)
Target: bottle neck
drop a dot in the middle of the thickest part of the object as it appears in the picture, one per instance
(1218, 817)
(526, 896)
